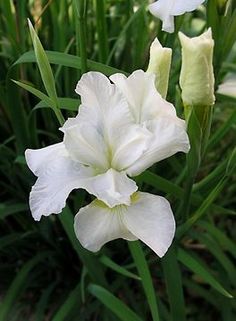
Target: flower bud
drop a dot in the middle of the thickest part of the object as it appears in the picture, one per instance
(197, 77)
(159, 64)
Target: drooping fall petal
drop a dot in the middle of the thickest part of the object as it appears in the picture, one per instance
(167, 9)
(149, 218)
(57, 175)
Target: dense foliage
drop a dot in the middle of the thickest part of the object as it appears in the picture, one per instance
(45, 274)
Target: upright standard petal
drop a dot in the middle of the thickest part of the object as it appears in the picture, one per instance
(169, 136)
(97, 224)
(57, 175)
(167, 131)
(167, 9)
(112, 137)
(150, 219)
(108, 107)
(144, 101)
(85, 143)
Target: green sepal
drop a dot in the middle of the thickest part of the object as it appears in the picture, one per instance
(195, 136)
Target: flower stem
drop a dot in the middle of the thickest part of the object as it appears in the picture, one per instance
(185, 206)
(144, 273)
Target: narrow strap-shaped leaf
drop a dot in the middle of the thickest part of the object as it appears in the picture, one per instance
(44, 302)
(73, 300)
(119, 308)
(208, 296)
(64, 103)
(102, 30)
(36, 92)
(164, 185)
(144, 273)
(92, 264)
(9, 209)
(46, 73)
(68, 60)
(182, 229)
(18, 283)
(222, 131)
(81, 8)
(230, 168)
(119, 269)
(220, 236)
(214, 248)
(194, 263)
(174, 285)
(43, 64)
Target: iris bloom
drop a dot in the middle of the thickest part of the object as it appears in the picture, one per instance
(121, 129)
(167, 9)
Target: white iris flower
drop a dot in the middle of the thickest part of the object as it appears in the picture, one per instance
(121, 129)
(167, 9)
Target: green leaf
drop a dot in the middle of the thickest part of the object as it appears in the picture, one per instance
(231, 166)
(68, 60)
(164, 185)
(72, 302)
(174, 285)
(182, 229)
(44, 302)
(117, 268)
(18, 283)
(161, 184)
(9, 239)
(196, 265)
(223, 130)
(71, 104)
(120, 309)
(48, 101)
(202, 292)
(214, 248)
(144, 273)
(44, 66)
(9, 209)
(92, 264)
(220, 236)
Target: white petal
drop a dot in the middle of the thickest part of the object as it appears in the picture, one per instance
(144, 101)
(37, 159)
(97, 224)
(113, 188)
(107, 105)
(85, 144)
(228, 86)
(167, 132)
(150, 219)
(162, 10)
(57, 175)
(167, 9)
(180, 6)
(169, 137)
(109, 125)
(129, 146)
